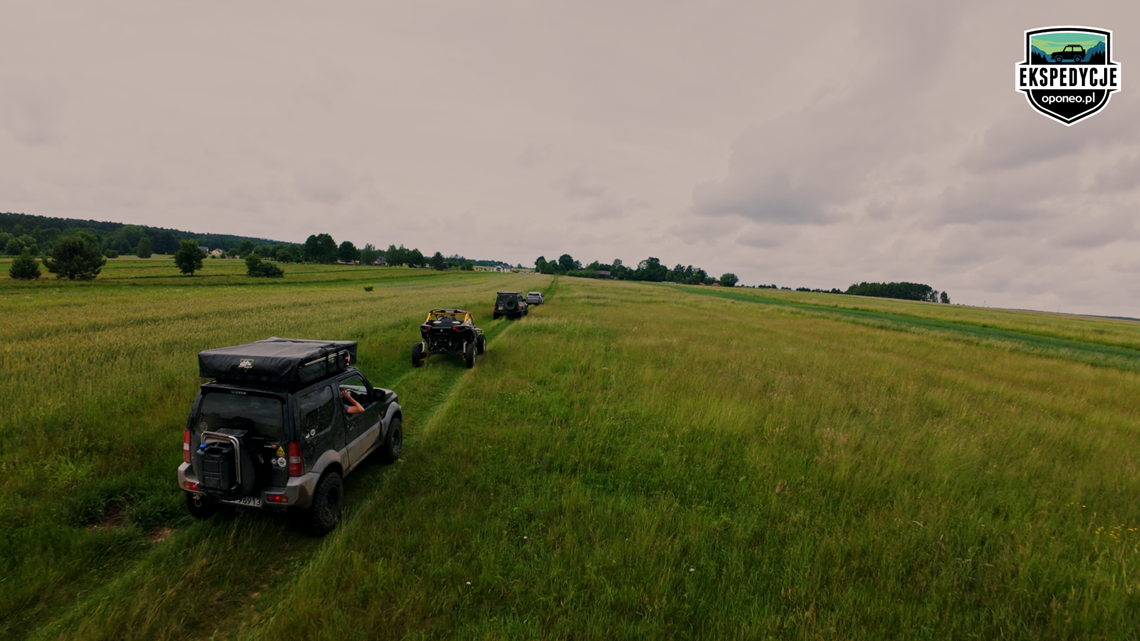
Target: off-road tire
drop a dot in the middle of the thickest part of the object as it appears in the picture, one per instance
(394, 443)
(323, 514)
(418, 355)
(510, 305)
(469, 355)
(200, 508)
(481, 344)
(1078, 58)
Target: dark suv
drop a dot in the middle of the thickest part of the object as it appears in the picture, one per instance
(281, 426)
(509, 305)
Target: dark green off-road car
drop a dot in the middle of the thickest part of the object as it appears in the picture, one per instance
(509, 305)
(279, 428)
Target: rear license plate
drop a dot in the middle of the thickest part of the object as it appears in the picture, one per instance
(249, 501)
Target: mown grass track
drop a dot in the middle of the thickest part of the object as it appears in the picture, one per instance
(96, 394)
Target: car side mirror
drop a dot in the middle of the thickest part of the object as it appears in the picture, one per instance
(379, 394)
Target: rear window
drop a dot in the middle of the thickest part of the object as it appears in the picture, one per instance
(259, 414)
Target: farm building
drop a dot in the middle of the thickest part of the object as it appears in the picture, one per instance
(380, 262)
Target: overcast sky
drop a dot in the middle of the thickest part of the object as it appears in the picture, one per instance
(799, 143)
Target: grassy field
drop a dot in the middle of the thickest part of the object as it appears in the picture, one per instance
(631, 460)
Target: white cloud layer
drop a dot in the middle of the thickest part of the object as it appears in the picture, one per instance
(870, 140)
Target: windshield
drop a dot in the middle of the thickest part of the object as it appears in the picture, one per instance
(260, 414)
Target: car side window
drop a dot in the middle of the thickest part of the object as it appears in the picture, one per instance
(356, 386)
(317, 409)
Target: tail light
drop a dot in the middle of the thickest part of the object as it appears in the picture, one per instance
(186, 446)
(458, 328)
(296, 463)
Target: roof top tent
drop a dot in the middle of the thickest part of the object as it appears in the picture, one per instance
(281, 361)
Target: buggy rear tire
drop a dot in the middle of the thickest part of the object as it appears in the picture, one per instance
(394, 443)
(200, 507)
(418, 355)
(481, 344)
(469, 355)
(321, 517)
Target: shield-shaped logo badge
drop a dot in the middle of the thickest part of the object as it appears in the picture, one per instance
(246, 363)
(1068, 73)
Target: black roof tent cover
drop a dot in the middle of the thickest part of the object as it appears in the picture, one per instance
(285, 361)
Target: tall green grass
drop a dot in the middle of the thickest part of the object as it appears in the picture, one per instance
(641, 463)
(629, 461)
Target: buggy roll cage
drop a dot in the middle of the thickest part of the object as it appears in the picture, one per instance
(436, 314)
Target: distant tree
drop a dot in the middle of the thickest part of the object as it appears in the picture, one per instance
(320, 248)
(369, 254)
(438, 262)
(288, 254)
(416, 258)
(110, 253)
(396, 255)
(189, 257)
(256, 267)
(24, 267)
(245, 247)
(347, 252)
(265, 251)
(729, 280)
(75, 258)
(14, 247)
(467, 266)
(540, 265)
(142, 250)
(945, 299)
(566, 263)
(165, 242)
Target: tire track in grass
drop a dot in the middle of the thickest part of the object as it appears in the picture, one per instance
(226, 605)
(375, 479)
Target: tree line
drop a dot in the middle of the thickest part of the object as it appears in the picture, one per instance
(650, 270)
(902, 291)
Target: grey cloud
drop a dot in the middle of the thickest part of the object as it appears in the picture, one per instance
(1017, 142)
(807, 168)
(533, 155)
(328, 183)
(31, 111)
(766, 237)
(575, 187)
(1123, 176)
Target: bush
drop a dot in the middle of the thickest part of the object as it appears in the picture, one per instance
(256, 267)
(729, 280)
(368, 288)
(74, 258)
(25, 267)
(143, 249)
(14, 247)
(110, 253)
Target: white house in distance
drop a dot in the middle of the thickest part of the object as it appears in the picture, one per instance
(505, 269)
(217, 253)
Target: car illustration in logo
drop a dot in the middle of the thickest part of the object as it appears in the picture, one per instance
(1076, 53)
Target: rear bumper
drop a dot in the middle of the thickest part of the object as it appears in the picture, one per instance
(298, 493)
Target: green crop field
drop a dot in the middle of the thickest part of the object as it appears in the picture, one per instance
(630, 461)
